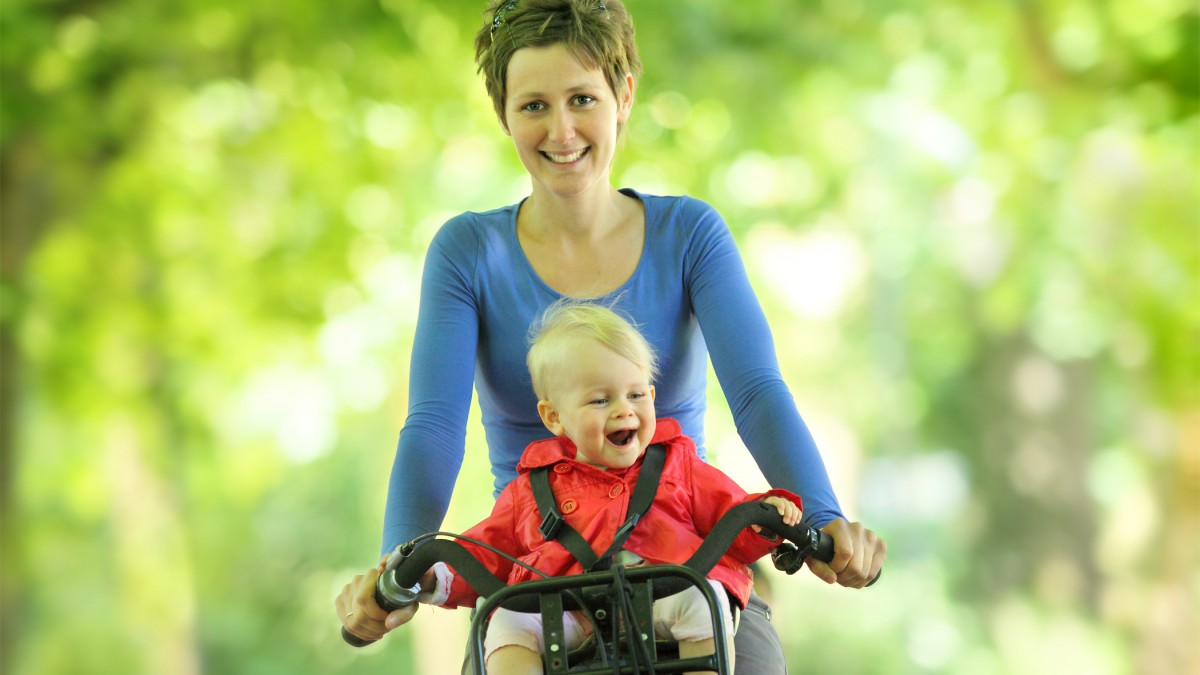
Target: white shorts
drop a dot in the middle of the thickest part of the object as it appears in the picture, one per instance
(683, 617)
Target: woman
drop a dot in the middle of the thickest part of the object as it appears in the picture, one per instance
(562, 75)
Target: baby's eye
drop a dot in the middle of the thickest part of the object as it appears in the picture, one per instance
(636, 395)
(598, 401)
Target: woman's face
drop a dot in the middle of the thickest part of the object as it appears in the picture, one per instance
(563, 118)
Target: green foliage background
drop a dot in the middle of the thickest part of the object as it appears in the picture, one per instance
(973, 224)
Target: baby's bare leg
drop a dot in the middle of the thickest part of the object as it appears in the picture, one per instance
(688, 650)
(514, 660)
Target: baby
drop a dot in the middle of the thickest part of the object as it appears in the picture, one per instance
(593, 373)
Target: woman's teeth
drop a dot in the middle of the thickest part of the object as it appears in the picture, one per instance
(565, 159)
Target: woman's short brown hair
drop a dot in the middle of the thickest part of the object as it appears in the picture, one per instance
(599, 32)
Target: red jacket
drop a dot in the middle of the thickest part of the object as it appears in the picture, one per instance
(691, 497)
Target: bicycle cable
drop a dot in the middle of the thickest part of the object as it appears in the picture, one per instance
(471, 540)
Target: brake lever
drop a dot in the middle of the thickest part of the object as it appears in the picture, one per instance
(789, 558)
(786, 558)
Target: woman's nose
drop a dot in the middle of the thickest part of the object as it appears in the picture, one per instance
(562, 126)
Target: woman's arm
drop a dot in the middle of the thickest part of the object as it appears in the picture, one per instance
(430, 451)
(743, 355)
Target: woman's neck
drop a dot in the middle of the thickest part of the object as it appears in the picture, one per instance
(582, 217)
(582, 248)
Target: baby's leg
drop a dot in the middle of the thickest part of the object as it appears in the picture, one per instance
(692, 648)
(513, 643)
(685, 617)
(514, 660)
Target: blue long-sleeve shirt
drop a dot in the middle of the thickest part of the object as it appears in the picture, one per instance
(689, 296)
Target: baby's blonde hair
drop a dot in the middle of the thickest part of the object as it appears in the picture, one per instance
(565, 324)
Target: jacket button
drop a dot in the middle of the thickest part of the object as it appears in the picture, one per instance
(616, 490)
(562, 467)
(568, 506)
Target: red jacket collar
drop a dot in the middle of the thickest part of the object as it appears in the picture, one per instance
(552, 450)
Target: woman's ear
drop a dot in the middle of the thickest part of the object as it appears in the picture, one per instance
(625, 97)
(550, 417)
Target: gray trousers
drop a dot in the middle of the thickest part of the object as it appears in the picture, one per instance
(758, 650)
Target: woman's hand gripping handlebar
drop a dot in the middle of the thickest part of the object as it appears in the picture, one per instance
(398, 583)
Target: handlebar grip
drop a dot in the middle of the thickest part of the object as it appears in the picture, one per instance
(353, 640)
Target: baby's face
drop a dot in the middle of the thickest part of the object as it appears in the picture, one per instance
(605, 405)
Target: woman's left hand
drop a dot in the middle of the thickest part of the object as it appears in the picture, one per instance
(858, 555)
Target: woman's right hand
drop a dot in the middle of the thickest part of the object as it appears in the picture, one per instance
(359, 613)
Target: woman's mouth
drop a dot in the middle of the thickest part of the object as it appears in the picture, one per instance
(567, 157)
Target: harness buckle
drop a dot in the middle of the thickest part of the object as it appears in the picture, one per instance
(550, 526)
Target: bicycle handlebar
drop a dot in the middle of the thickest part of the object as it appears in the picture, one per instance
(398, 583)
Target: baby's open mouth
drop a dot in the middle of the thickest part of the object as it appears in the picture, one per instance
(622, 437)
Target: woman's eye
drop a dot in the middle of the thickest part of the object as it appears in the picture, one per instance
(535, 106)
(583, 99)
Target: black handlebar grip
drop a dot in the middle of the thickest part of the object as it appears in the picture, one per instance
(353, 640)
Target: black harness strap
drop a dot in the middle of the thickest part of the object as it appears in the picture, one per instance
(555, 528)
